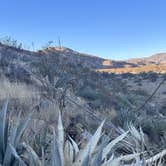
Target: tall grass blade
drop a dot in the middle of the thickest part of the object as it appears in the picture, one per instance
(22, 126)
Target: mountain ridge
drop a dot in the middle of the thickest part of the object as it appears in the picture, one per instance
(103, 63)
(100, 64)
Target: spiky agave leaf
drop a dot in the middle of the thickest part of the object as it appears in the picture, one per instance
(142, 135)
(33, 157)
(135, 133)
(90, 147)
(156, 157)
(95, 138)
(14, 130)
(68, 154)
(8, 156)
(98, 158)
(3, 130)
(43, 157)
(15, 135)
(138, 161)
(117, 161)
(75, 148)
(60, 138)
(109, 147)
(55, 155)
(136, 139)
(20, 129)
(85, 162)
(10, 149)
(15, 154)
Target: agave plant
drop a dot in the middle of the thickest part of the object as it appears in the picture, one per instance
(101, 153)
(95, 153)
(10, 138)
(99, 150)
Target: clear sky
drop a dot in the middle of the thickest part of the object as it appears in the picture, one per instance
(114, 29)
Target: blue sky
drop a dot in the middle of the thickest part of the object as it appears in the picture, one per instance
(114, 29)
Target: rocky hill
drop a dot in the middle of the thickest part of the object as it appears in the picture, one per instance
(154, 63)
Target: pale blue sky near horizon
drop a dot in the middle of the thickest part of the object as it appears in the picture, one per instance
(113, 29)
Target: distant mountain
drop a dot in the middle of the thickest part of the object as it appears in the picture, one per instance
(74, 57)
(159, 58)
(90, 61)
(156, 62)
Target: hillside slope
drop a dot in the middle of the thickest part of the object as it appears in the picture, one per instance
(60, 78)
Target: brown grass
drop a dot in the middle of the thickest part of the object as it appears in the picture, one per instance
(135, 70)
(16, 90)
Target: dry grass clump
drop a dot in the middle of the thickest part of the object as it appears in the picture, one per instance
(136, 70)
(16, 90)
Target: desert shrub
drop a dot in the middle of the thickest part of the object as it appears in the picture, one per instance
(88, 93)
(143, 75)
(6, 58)
(141, 92)
(155, 128)
(127, 75)
(47, 45)
(47, 67)
(16, 90)
(123, 101)
(153, 76)
(101, 102)
(107, 75)
(9, 41)
(125, 117)
(163, 110)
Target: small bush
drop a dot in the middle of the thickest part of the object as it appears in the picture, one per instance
(88, 93)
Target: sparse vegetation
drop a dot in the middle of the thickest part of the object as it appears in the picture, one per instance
(16, 90)
(9, 41)
(98, 150)
(54, 80)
